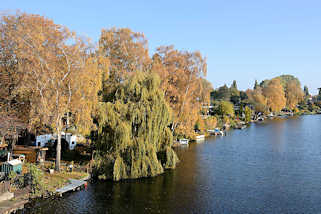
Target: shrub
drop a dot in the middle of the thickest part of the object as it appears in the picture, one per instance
(34, 178)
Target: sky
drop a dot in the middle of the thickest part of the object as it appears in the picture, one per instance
(243, 40)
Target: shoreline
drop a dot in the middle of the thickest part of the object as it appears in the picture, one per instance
(20, 201)
(15, 206)
(240, 124)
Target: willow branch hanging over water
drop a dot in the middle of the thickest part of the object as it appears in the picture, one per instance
(133, 136)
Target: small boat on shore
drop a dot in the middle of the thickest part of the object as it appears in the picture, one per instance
(215, 132)
(211, 131)
(218, 132)
(243, 127)
(183, 141)
(260, 119)
(200, 138)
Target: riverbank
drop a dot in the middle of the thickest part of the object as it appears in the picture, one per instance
(60, 179)
(271, 167)
(44, 184)
(235, 123)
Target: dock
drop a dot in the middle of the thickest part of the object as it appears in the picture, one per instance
(73, 186)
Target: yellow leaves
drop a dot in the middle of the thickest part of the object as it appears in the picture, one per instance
(126, 50)
(275, 95)
(293, 93)
(58, 73)
(257, 98)
(181, 74)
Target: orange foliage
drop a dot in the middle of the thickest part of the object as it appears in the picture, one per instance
(127, 52)
(57, 76)
(293, 93)
(182, 74)
(275, 95)
(257, 98)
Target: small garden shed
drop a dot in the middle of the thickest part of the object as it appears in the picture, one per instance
(13, 165)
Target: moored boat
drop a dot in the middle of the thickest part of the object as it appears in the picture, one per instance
(200, 138)
(183, 141)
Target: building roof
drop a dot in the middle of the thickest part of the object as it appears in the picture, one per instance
(14, 162)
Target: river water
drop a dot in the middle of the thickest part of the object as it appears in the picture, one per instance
(271, 167)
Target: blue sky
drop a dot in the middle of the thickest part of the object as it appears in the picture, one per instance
(242, 39)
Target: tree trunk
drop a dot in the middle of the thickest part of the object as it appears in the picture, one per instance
(68, 121)
(58, 148)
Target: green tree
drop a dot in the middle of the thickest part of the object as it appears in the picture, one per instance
(248, 114)
(306, 91)
(37, 182)
(134, 139)
(226, 108)
(233, 89)
(222, 93)
(243, 95)
(256, 85)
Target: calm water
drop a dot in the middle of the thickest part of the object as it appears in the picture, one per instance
(273, 167)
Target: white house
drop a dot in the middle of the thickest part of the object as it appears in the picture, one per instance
(42, 140)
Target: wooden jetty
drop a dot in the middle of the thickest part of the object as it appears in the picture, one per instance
(73, 186)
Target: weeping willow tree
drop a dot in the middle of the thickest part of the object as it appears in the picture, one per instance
(133, 138)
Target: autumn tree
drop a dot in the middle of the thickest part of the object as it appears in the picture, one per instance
(293, 94)
(51, 60)
(134, 139)
(210, 122)
(127, 52)
(204, 88)
(258, 100)
(275, 95)
(182, 79)
(13, 108)
(285, 79)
